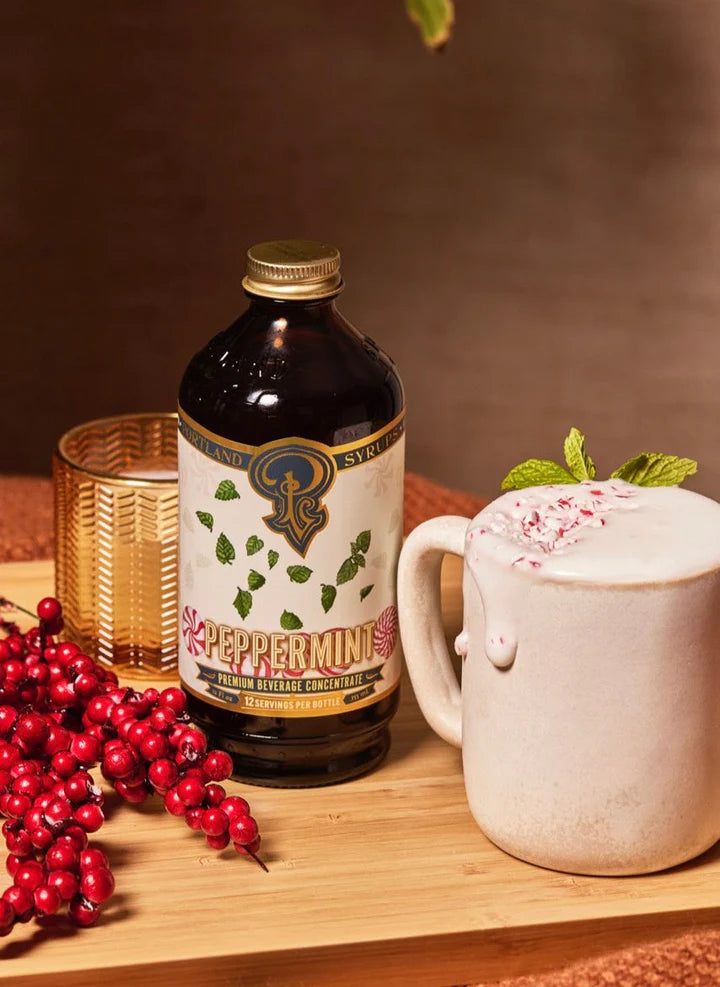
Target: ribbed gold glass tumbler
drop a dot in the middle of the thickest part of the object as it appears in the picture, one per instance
(116, 526)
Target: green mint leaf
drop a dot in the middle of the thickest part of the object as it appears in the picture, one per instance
(535, 473)
(224, 550)
(655, 469)
(243, 602)
(363, 541)
(226, 491)
(579, 463)
(299, 573)
(205, 518)
(347, 571)
(290, 621)
(273, 557)
(359, 560)
(255, 580)
(434, 20)
(366, 591)
(253, 544)
(327, 596)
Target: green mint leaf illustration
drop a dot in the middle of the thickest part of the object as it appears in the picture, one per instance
(359, 560)
(366, 591)
(327, 596)
(290, 621)
(226, 491)
(534, 473)
(253, 544)
(224, 550)
(273, 557)
(363, 541)
(205, 518)
(347, 571)
(255, 580)
(579, 463)
(299, 573)
(243, 602)
(655, 469)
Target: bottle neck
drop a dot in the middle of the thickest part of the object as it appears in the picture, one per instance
(274, 308)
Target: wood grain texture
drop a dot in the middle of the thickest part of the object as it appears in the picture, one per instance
(384, 879)
(530, 222)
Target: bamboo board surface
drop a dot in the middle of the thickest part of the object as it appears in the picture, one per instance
(385, 879)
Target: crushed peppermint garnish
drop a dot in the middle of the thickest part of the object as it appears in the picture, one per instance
(548, 523)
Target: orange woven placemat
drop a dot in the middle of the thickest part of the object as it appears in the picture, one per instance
(26, 512)
(692, 960)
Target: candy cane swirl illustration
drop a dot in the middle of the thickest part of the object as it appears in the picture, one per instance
(336, 669)
(193, 631)
(385, 632)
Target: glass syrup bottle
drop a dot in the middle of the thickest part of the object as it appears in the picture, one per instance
(291, 465)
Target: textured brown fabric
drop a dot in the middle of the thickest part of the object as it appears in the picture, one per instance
(26, 521)
(693, 960)
(26, 518)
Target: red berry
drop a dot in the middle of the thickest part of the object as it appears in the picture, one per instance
(13, 862)
(17, 805)
(49, 608)
(86, 748)
(152, 695)
(175, 699)
(99, 709)
(234, 807)
(76, 836)
(243, 830)
(21, 901)
(58, 740)
(173, 803)
(135, 794)
(214, 794)
(41, 838)
(8, 716)
(86, 685)
(65, 882)
(28, 784)
(193, 817)
(61, 856)
(137, 731)
(192, 745)
(77, 787)
(91, 858)
(90, 817)
(118, 762)
(154, 745)
(7, 917)
(47, 899)
(162, 774)
(218, 842)
(82, 912)
(67, 650)
(58, 812)
(162, 719)
(62, 694)
(218, 765)
(19, 843)
(29, 875)
(214, 822)
(191, 791)
(97, 885)
(250, 849)
(32, 728)
(64, 763)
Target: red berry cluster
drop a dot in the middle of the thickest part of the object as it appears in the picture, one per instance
(60, 714)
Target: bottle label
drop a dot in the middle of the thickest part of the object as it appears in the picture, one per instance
(288, 561)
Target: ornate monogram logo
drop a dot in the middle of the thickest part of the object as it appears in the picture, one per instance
(295, 478)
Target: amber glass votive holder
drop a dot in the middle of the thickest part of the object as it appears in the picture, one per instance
(116, 528)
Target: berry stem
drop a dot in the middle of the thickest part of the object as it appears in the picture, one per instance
(6, 604)
(257, 860)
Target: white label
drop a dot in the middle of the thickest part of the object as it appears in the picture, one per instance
(288, 560)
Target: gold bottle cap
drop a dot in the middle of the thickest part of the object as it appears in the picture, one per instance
(293, 269)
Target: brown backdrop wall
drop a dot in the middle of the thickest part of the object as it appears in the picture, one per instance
(530, 222)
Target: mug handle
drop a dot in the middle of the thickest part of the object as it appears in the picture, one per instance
(419, 613)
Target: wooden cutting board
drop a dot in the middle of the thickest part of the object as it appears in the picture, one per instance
(385, 879)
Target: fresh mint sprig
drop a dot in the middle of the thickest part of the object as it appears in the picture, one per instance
(648, 469)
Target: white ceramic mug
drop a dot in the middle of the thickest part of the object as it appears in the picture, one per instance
(596, 750)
